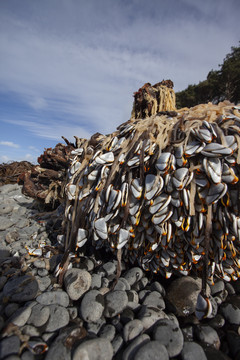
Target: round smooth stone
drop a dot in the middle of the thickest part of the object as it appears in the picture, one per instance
(133, 275)
(96, 281)
(92, 306)
(10, 309)
(30, 330)
(96, 349)
(43, 282)
(77, 282)
(107, 331)
(154, 299)
(21, 316)
(156, 286)
(40, 264)
(207, 335)
(12, 236)
(21, 289)
(133, 347)
(5, 209)
(5, 223)
(231, 310)
(117, 343)
(58, 297)
(150, 316)
(59, 317)
(39, 316)
(122, 284)
(115, 303)
(218, 287)
(132, 329)
(109, 268)
(9, 346)
(152, 350)
(167, 333)
(192, 351)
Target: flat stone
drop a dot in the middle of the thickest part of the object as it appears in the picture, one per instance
(7, 188)
(96, 349)
(10, 309)
(217, 287)
(59, 317)
(5, 209)
(5, 223)
(115, 303)
(133, 275)
(94, 328)
(39, 316)
(107, 331)
(9, 346)
(22, 223)
(167, 333)
(231, 310)
(30, 330)
(21, 289)
(40, 264)
(42, 272)
(117, 343)
(96, 281)
(152, 350)
(154, 299)
(134, 346)
(141, 284)
(192, 351)
(58, 349)
(156, 286)
(92, 306)
(109, 268)
(183, 293)
(12, 236)
(149, 316)
(77, 282)
(43, 282)
(207, 335)
(126, 316)
(21, 316)
(132, 329)
(58, 297)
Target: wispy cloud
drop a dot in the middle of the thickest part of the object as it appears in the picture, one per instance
(9, 143)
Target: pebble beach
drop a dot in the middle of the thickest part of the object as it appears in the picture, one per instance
(143, 317)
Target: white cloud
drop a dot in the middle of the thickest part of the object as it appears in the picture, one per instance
(9, 143)
(4, 158)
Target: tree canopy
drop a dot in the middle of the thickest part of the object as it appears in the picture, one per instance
(222, 84)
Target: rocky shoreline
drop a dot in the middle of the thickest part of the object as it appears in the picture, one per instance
(143, 317)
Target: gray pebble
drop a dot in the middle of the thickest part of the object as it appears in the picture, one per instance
(143, 293)
(21, 316)
(187, 333)
(167, 333)
(132, 329)
(77, 282)
(27, 355)
(117, 343)
(2, 323)
(12, 236)
(150, 316)
(30, 330)
(22, 223)
(231, 310)
(116, 322)
(5, 209)
(3, 280)
(58, 350)
(230, 289)
(21, 289)
(151, 351)
(207, 335)
(12, 357)
(5, 223)
(133, 347)
(43, 282)
(107, 331)
(115, 303)
(42, 272)
(59, 317)
(141, 284)
(10, 309)
(105, 282)
(9, 346)
(93, 328)
(109, 268)
(122, 284)
(58, 297)
(217, 287)
(156, 286)
(233, 340)
(39, 264)
(92, 306)
(39, 316)
(96, 281)
(192, 351)
(96, 349)
(217, 322)
(154, 299)
(133, 275)
(132, 296)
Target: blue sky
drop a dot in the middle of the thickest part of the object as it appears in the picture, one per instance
(70, 67)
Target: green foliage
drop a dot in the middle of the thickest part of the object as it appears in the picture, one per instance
(223, 84)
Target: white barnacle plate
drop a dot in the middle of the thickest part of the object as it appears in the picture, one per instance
(215, 149)
(194, 148)
(100, 227)
(161, 217)
(180, 178)
(215, 193)
(213, 169)
(159, 203)
(71, 190)
(136, 188)
(82, 237)
(122, 238)
(153, 185)
(228, 175)
(105, 158)
(165, 162)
